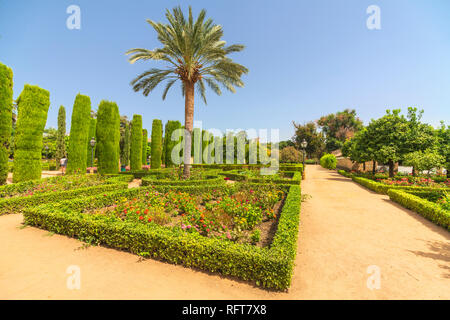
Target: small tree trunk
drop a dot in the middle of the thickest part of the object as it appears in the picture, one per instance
(374, 167)
(414, 171)
(188, 125)
(391, 168)
(364, 166)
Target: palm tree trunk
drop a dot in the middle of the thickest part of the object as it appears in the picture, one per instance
(188, 125)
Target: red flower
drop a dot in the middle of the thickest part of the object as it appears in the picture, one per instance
(149, 219)
(141, 218)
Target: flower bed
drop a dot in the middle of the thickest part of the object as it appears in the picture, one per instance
(282, 177)
(433, 205)
(270, 266)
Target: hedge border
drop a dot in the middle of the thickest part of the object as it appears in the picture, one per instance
(429, 210)
(267, 267)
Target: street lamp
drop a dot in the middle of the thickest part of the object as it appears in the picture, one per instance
(92, 143)
(304, 144)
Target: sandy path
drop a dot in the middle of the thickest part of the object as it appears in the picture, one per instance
(345, 228)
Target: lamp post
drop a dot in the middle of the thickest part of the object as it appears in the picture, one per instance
(92, 143)
(304, 144)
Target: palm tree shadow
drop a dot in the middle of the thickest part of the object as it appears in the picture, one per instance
(438, 251)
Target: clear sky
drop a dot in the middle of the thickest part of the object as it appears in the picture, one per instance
(306, 58)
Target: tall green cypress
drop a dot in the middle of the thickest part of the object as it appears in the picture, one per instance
(92, 134)
(108, 136)
(6, 103)
(171, 126)
(144, 146)
(156, 144)
(61, 136)
(136, 143)
(32, 106)
(125, 151)
(79, 131)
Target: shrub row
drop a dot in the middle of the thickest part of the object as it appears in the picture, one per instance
(267, 267)
(384, 188)
(208, 180)
(296, 177)
(17, 204)
(227, 167)
(345, 173)
(429, 210)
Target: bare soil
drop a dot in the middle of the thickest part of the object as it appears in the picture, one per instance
(344, 229)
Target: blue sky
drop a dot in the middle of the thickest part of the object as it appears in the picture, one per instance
(306, 58)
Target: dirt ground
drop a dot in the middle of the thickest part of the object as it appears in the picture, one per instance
(345, 229)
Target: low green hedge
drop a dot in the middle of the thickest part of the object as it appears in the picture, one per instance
(208, 180)
(345, 173)
(429, 210)
(17, 204)
(228, 167)
(269, 267)
(384, 188)
(296, 177)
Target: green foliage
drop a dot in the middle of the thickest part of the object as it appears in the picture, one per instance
(61, 136)
(79, 131)
(108, 136)
(124, 141)
(255, 236)
(92, 134)
(156, 144)
(136, 143)
(431, 211)
(197, 143)
(33, 104)
(384, 188)
(315, 139)
(443, 144)
(144, 146)
(426, 160)
(328, 161)
(268, 267)
(290, 155)
(171, 126)
(6, 103)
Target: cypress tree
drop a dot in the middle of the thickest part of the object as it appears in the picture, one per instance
(156, 144)
(33, 105)
(144, 146)
(197, 145)
(79, 131)
(61, 136)
(6, 103)
(92, 134)
(125, 151)
(171, 126)
(108, 136)
(218, 150)
(136, 143)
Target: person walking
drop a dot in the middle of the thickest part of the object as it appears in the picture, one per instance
(63, 163)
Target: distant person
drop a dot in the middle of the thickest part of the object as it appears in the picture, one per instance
(63, 163)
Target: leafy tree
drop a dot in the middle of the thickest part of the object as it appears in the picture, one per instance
(424, 160)
(358, 149)
(61, 136)
(6, 104)
(136, 143)
(339, 127)
(286, 143)
(443, 144)
(49, 140)
(315, 139)
(33, 104)
(195, 54)
(108, 136)
(290, 155)
(79, 131)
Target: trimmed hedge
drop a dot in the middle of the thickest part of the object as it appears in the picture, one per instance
(171, 126)
(79, 132)
(17, 204)
(61, 136)
(144, 146)
(345, 173)
(108, 136)
(296, 177)
(328, 161)
(156, 144)
(429, 210)
(136, 143)
(92, 134)
(208, 180)
(32, 104)
(384, 188)
(6, 103)
(268, 267)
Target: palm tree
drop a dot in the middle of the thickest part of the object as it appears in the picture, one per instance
(195, 54)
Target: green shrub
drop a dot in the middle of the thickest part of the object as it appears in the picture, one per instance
(144, 146)
(61, 136)
(171, 126)
(384, 188)
(79, 131)
(33, 105)
(92, 134)
(136, 143)
(345, 173)
(6, 103)
(255, 236)
(125, 145)
(431, 211)
(328, 161)
(108, 136)
(268, 267)
(156, 144)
